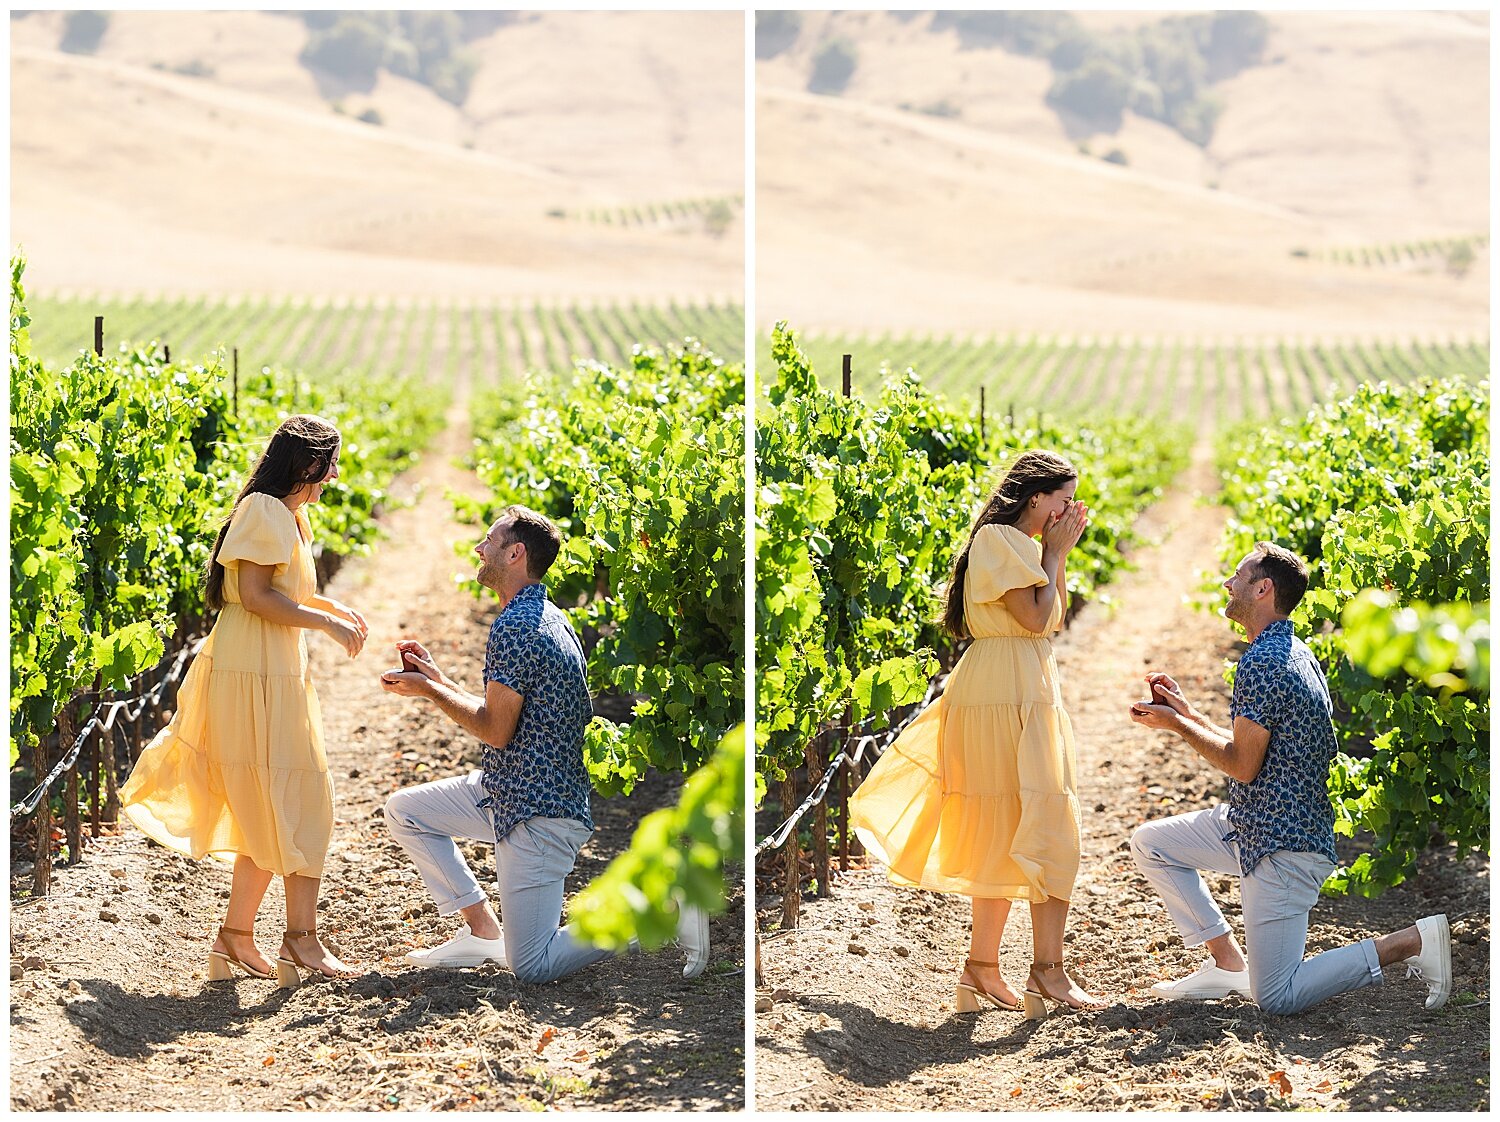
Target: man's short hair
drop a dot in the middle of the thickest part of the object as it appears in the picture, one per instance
(1287, 573)
(538, 534)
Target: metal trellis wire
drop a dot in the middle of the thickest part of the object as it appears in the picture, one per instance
(878, 743)
(104, 719)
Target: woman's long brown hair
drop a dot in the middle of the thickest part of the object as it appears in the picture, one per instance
(1033, 473)
(299, 451)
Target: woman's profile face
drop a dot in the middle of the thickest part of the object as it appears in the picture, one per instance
(1049, 503)
(329, 477)
(312, 491)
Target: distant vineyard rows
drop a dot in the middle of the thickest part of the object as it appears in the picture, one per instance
(1201, 381)
(673, 212)
(1429, 251)
(426, 340)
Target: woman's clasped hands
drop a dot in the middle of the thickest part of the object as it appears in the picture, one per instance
(1064, 529)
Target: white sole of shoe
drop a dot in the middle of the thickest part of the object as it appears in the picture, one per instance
(1444, 935)
(461, 964)
(1196, 995)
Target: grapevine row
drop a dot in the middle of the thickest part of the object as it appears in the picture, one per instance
(1425, 251)
(330, 341)
(669, 212)
(1387, 490)
(1208, 382)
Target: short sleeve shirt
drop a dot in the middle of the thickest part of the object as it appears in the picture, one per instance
(534, 650)
(1279, 685)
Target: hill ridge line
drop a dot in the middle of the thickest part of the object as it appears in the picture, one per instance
(249, 101)
(973, 137)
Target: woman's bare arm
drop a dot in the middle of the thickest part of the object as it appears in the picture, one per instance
(259, 598)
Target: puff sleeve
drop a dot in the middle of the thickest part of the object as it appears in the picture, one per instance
(261, 530)
(1002, 558)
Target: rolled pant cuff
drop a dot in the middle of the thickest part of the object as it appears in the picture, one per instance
(1372, 960)
(458, 904)
(1198, 938)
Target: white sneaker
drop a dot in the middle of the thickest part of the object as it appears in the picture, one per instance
(1207, 983)
(464, 949)
(1434, 962)
(692, 936)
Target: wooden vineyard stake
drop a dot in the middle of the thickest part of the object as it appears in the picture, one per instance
(981, 416)
(93, 776)
(848, 374)
(98, 335)
(850, 837)
(111, 778)
(234, 408)
(815, 754)
(791, 855)
(843, 797)
(41, 873)
(72, 819)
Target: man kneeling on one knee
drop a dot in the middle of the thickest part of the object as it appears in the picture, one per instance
(1276, 833)
(531, 796)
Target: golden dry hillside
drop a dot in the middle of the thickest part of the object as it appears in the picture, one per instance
(940, 192)
(130, 175)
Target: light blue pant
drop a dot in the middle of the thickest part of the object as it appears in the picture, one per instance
(1274, 899)
(531, 863)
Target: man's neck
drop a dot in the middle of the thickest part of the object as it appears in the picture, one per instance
(1254, 632)
(510, 593)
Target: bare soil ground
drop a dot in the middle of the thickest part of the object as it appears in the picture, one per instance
(862, 1013)
(111, 1010)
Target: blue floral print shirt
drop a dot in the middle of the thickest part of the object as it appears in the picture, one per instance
(534, 650)
(1279, 685)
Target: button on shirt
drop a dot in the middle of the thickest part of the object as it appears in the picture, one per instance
(534, 650)
(1279, 685)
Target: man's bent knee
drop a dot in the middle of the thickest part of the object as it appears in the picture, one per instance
(397, 810)
(1279, 1003)
(1140, 845)
(532, 972)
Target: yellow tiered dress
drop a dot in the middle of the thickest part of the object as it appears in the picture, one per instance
(978, 795)
(240, 769)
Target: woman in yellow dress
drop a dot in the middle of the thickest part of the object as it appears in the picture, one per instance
(239, 774)
(978, 796)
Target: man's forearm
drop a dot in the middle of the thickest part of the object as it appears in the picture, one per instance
(463, 708)
(1208, 726)
(1214, 744)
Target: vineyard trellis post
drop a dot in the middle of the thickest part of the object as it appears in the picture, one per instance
(981, 415)
(791, 881)
(815, 749)
(844, 815)
(98, 335)
(843, 795)
(111, 775)
(166, 353)
(848, 842)
(72, 823)
(94, 769)
(235, 383)
(41, 873)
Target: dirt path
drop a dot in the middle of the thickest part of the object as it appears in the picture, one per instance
(113, 1012)
(863, 1014)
